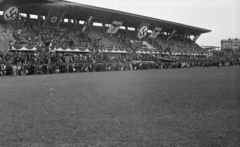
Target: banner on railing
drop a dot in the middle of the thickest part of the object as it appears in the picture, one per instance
(156, 31)
(196, 37)
(171, 35)
(143, 29)
(186, 34)
(11, 14)
(53, 19)
(3, 42)
(87, 23)
(115, 26)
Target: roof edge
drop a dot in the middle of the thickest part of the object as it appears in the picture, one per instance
(137, 15)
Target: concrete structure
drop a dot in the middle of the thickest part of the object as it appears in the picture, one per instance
(77, 11)
(211, 48)
(231, 44)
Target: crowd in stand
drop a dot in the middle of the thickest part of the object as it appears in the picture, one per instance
(32, 64)
(47, 61)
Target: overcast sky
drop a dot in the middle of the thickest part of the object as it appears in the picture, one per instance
(220, 16)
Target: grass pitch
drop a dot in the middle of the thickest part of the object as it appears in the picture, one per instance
(195, 107)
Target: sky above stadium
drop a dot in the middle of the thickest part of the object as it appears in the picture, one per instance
(220, 16)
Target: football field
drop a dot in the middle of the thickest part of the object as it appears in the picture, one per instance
(190, 107)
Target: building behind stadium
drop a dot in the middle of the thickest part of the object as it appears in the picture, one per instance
(230, 44)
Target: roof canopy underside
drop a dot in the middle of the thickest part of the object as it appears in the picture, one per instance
(102, 15)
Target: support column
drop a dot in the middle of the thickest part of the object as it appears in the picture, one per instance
(103, 28)
(39, 21)
(136, 32)
(126, 29)
(28, 17)
(75, 24)
(63, 21)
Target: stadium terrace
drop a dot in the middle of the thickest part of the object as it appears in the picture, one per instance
(44, 37)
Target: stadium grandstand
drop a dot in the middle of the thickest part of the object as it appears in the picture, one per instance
(48, 36)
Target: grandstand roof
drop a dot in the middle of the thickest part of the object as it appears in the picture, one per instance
(102, 15)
